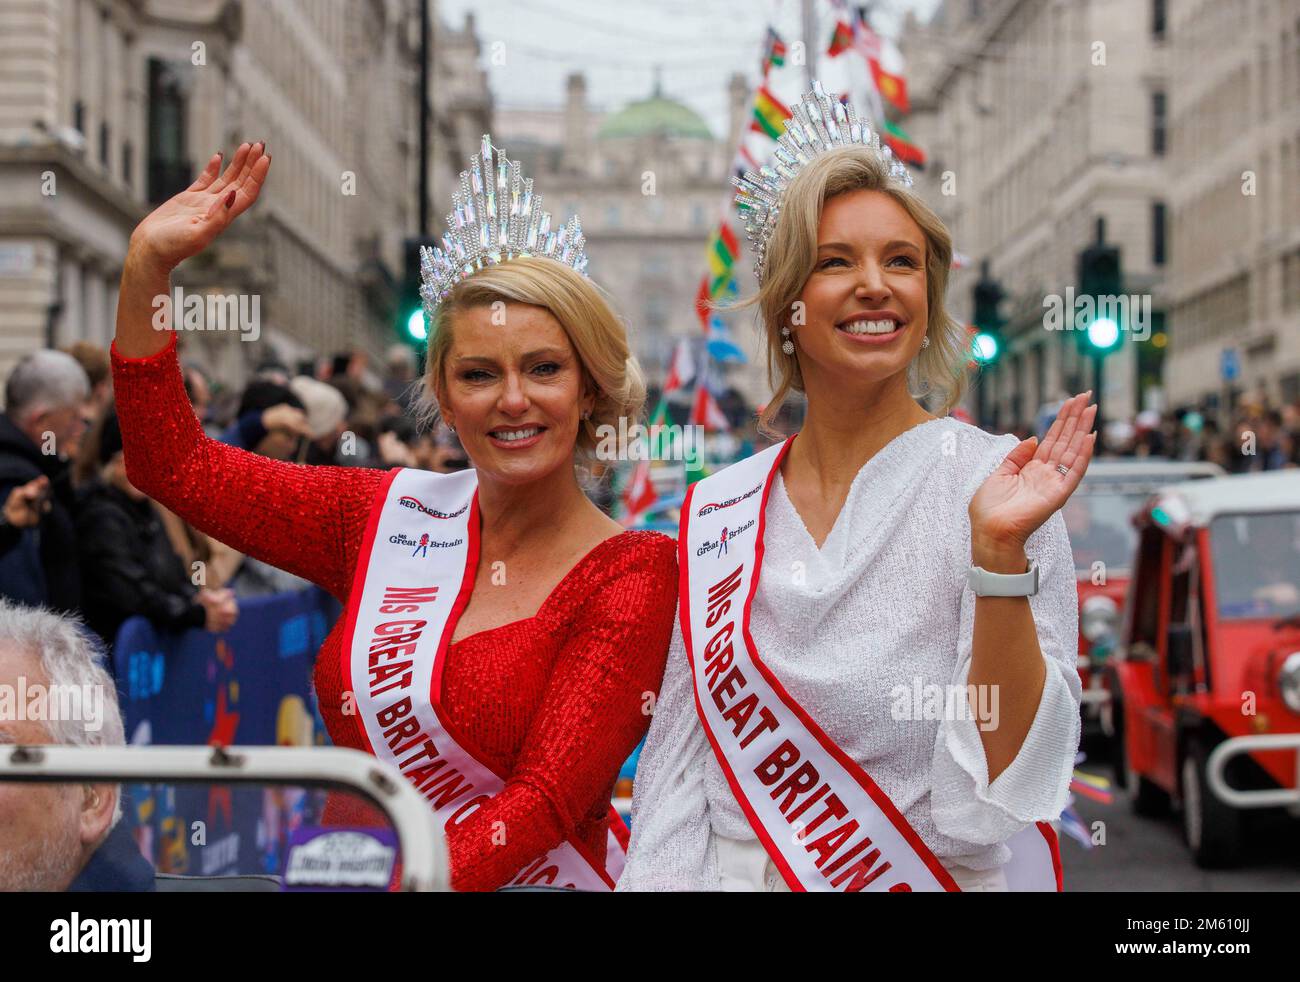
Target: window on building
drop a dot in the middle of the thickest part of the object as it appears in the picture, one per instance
(1159, 123)
(79, 116)
(128, 162)
(1158, 225)
(105, 142)
(169, 169)
(1159, 12)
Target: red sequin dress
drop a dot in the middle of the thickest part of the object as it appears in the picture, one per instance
(556, 700)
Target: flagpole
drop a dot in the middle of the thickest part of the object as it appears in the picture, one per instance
(809, 41)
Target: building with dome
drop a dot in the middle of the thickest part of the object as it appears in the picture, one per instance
(650, 181)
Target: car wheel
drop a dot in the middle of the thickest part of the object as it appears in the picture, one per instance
(1211, 827)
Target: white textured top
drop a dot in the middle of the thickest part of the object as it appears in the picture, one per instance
(881, 609)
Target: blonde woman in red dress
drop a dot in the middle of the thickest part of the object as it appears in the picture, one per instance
(511, 697)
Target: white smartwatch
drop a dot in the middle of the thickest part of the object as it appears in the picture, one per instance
(986, 584)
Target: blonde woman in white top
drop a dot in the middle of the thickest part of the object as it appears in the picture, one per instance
(950, 718)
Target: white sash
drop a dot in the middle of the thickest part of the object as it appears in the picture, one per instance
(414, 576)
(822, 819)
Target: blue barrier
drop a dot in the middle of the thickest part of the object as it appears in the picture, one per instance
(251, 685)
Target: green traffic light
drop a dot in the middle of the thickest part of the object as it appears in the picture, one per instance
(986, 348)
(415, 326)
(1103, 334)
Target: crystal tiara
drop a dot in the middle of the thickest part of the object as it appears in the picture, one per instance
(494, 217)
(819, 123)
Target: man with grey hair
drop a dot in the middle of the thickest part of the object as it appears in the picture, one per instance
(40, 431)
(60, 836)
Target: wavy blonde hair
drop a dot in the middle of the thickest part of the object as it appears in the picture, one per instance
(597, 334)
(792, 255)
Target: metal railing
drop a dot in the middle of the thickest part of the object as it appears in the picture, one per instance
(1260, 798)
(425, 865)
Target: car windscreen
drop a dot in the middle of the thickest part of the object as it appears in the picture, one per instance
(1256, 565)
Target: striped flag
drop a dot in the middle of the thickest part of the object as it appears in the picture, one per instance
(902, 145)
(770, 113)
(724, 248)
(706, 412)
(773, 51)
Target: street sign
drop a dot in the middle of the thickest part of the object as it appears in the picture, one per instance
(1229, 365)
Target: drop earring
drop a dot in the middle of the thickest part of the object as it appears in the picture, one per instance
(786, 344)
(925, 341)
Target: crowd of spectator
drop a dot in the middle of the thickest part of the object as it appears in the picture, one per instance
(77, 537)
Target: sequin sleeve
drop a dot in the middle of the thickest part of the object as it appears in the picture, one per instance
(306, 520)
(595, 710)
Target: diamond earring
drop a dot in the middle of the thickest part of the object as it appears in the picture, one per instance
(787, 345)
(925, 341)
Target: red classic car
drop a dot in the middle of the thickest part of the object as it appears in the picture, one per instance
(1205, 681)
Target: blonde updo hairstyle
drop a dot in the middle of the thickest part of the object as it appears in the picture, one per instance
(792, 255)
(595, 331)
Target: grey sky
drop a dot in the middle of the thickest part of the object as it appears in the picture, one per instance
(618, 43)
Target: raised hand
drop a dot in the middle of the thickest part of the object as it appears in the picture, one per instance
(1033, 481)
(187, 222)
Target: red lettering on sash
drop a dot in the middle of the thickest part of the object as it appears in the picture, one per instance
(718, 640)
(407, 727)
(860, 874)
(803, 779)
(409, 595)
(777, 763)
(826, 845)
(379, 653)
(808, 803)
(392, 627)
(866, 841)
(718, 604)
(453, 784)
(418, 775)
(739, 713)
(428, 750)
(766, 721)
(398, 645)
(834, 809)
(382, 673)
(393, 713)
(719, 665)
(727, 687)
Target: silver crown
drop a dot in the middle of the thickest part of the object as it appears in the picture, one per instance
(494, 217)
(819, 123)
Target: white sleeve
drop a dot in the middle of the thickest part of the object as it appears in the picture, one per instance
(671, 847)
(1035, 786)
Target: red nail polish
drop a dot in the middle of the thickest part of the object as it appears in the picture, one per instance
(230, 199)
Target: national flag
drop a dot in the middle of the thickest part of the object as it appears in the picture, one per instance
(706, 412)
(773, 51)
(770, 113)
(1072, 824)
(639, 495)
(865, 40)
(682, 370)
(724, 248)
(841, 39)
(720, 346)
(892, 87)
(902, 145)
(960, 260)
